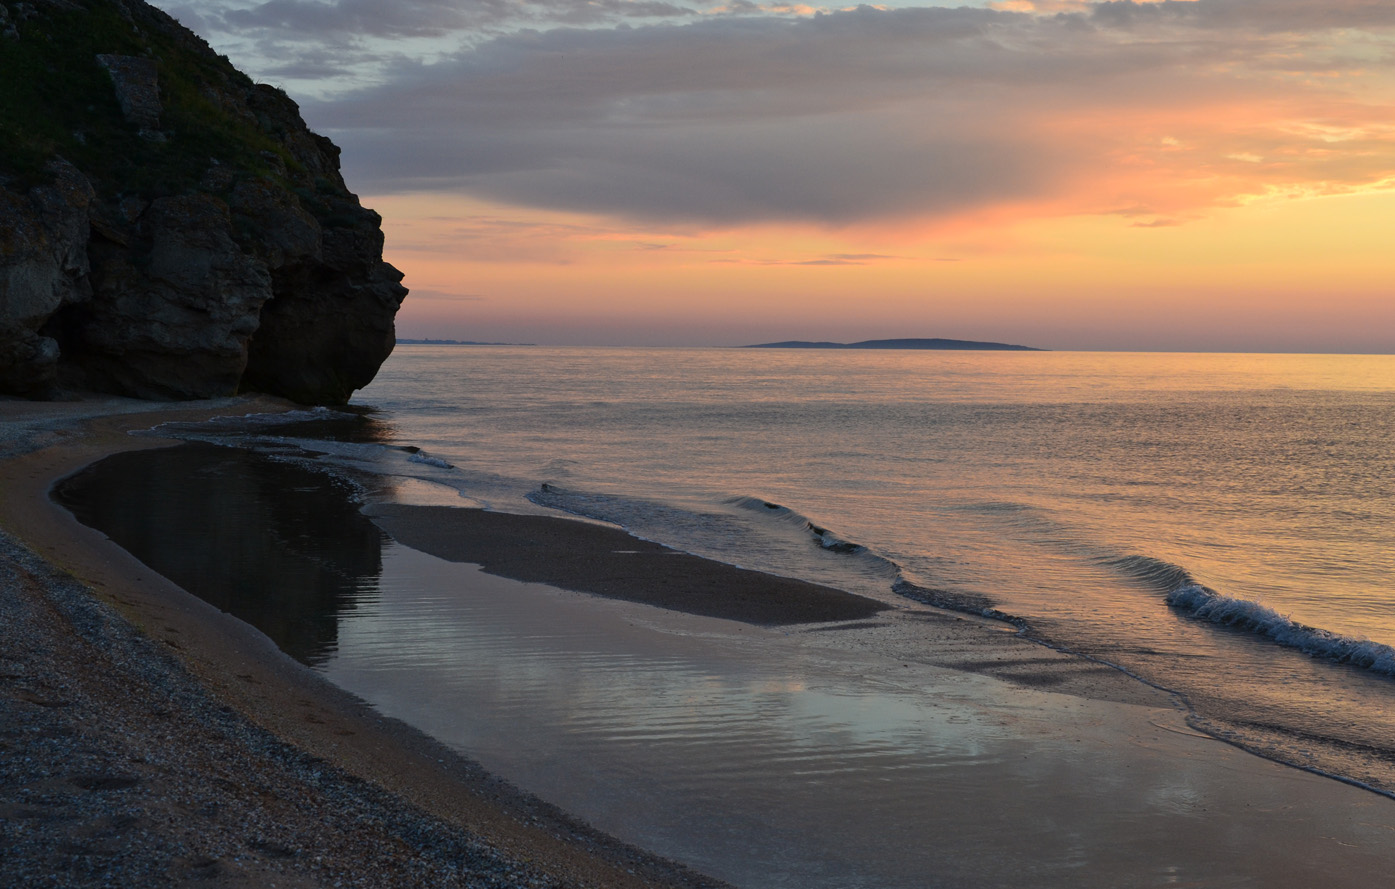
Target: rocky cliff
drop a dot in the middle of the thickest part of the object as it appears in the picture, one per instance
(168, 228)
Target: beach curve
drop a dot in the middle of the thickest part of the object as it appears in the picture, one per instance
(165, 740)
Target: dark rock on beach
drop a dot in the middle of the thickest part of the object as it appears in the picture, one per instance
(168, 228)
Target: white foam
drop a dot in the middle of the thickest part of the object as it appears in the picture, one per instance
(1207, 604)
(427, 459)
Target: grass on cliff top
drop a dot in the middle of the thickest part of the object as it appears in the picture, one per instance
(56, 99)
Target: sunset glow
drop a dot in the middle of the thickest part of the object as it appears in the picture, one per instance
(1211, 175)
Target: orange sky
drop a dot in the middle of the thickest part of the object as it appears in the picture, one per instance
(1280, 275)
(1212, 175)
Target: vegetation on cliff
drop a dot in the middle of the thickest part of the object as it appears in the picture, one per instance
(50, 66)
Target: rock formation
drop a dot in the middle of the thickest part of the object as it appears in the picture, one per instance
(168, 229)
(137, 83)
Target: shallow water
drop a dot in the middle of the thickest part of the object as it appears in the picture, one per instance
(781, 760)
(770, 757)
(1078, 491)
(1075, 490)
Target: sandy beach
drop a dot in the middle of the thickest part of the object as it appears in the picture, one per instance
(898, 446)
(150, 739)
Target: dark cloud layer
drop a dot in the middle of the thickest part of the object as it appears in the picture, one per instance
(1260, 15)
(847, 116)
(314, 19)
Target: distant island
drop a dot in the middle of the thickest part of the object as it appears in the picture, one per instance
(406, 342)
(933, 343)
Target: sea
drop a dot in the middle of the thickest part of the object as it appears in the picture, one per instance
(1218, 526)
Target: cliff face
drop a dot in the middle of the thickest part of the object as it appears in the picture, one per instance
(168, 229)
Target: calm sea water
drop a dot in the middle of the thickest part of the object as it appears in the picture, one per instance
(1221, 525)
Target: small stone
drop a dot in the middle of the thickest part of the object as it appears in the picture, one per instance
(100, 782)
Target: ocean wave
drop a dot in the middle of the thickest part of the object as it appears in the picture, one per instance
(833, 543)
(639, 516)
(821, 536)
(745, 531)
(1206, 604)
(416, 455)
(1161, 575)
(1186, 594)
(762, 507)
(966, 603)
(238, 423)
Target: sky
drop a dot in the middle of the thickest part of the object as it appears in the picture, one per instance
(1187, 175)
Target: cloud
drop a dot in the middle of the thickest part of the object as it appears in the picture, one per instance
(1157, 223)
(1254, 15)
(314, 19)
(354, 38)
(748, 115)
(818, 119)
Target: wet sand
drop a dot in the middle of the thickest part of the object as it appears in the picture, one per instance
(605, 561)
(227, 762)
(808, 757)
(201, 746)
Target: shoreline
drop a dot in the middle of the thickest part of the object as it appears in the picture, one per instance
(383, 765)
(339, 794)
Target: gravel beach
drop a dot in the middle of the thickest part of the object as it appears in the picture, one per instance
(147, 739)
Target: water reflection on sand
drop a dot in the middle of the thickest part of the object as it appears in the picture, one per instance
(773, 759)
(782, 757)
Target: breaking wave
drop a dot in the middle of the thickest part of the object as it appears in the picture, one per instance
(1193, 598)
(1206, 604)
(967, 603)
(215, 429)
(951, 600)
(821, 536)
(417, 455)
(749, 532)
